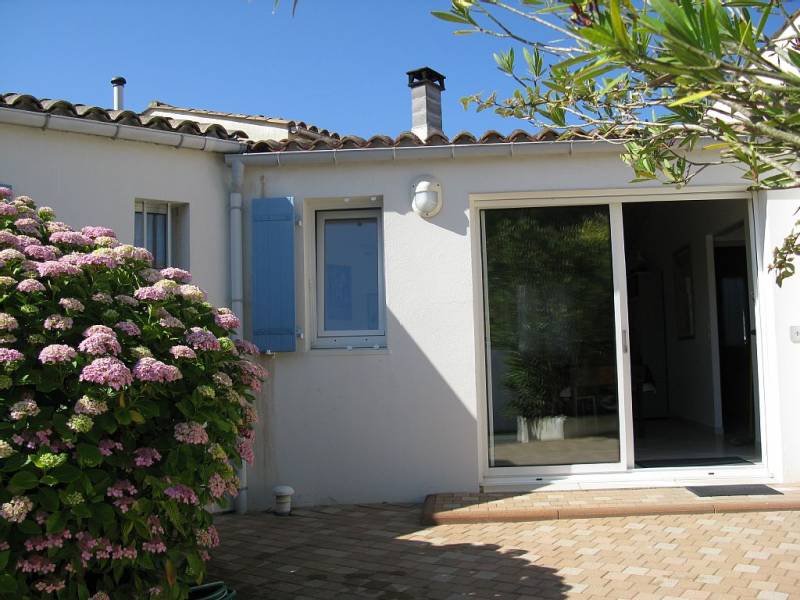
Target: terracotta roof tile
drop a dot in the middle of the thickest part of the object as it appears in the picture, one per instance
(409, 139)
(123, 117)
(295, 127)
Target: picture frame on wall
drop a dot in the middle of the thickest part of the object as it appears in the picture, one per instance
(684, 293)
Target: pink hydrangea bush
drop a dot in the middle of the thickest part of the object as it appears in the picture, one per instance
(125, 407)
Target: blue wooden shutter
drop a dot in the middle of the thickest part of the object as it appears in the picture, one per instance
(272, 269)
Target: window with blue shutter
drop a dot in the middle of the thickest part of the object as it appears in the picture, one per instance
(273, 279)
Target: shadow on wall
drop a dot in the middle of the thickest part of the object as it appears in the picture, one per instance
(370, 426)
(372, 552)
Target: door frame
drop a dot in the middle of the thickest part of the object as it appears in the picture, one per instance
(622, 473)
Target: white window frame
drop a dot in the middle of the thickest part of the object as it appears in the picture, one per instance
(375, 338)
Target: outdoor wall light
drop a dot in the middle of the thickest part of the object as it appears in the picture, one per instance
(426, 198)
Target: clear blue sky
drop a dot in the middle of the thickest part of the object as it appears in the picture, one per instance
(338, 64)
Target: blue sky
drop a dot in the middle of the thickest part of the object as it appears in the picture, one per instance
(339, 64)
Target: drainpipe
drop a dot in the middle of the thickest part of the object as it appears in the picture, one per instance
(237, 288)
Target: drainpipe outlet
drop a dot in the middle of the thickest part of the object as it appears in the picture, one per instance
(283, 500)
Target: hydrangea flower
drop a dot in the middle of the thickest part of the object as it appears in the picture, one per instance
(58, 323)
(6, 449)
(95, 231)
(24, 408)
(247, 347)
(185, 352)
(89, 406)
(27, 225)
(9, 355)
(95, 329)
(192, 293)
(100, 344)
(102, 298)
(10, 254)
(191, 433)
(28, 286)
(70, 238)
(126, 300)
(208, 537)
(176, 274)
(226, 319)
(146, 457)
(101, 257)
(56, 268)
(202, 339)
(7, 322)
(129, 328)
(41, 252)
(150, 369)
(108, 371)
(107, 447)
(150, 293)
(80, 423)
(182, 493)
(72, 304)
(16, 509)
(56, 353)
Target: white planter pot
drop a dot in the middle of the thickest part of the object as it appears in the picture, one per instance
(542, 428)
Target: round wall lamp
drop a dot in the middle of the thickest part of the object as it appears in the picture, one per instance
(426, 199)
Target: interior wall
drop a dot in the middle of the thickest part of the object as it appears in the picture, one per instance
(658, 230)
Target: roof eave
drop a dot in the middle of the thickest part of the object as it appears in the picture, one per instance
(442, 152)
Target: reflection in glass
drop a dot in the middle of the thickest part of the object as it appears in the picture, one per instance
(552, 366)
(351, 274)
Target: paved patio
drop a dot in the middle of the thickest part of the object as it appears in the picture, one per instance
(381, 551)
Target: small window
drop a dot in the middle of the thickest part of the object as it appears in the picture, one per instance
(349, 272)
(162, 228)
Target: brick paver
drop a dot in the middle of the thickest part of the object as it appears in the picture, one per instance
(381, 551)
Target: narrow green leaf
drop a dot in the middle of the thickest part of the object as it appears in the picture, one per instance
(691, 98)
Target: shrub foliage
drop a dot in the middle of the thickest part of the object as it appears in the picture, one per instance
(125, 409)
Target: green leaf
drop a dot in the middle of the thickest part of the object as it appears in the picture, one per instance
(452, 18)
(56, 522)
(4, 559)
(617, 25)
(691, 98)
(48, 499)
(66, 473)
(29, 528)
(103, 512)
(24, 480)
(81, 510)
(8, 585)
(89, 455)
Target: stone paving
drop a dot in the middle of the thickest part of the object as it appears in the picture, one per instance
(381, 551)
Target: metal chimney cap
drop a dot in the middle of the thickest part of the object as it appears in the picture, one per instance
(118, 81)
(419, 77)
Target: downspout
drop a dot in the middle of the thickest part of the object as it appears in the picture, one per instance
(237, 288)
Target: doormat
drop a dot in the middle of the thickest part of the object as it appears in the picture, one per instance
(707, 491)
(714, 461)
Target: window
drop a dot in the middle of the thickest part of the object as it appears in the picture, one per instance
(349, 275)
(162, 228)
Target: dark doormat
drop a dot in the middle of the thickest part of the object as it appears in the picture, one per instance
(713, 461)
(707, 491)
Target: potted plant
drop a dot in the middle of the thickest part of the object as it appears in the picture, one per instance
(535, 384)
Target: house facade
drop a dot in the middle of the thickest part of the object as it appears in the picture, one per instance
(505, 312)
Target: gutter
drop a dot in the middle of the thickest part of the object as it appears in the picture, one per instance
(117, 131)
(443, 152)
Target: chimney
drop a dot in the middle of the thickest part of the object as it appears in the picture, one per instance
(118, 83)
(426, 86)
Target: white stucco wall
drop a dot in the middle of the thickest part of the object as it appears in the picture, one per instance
(91, 180)
(395, 425)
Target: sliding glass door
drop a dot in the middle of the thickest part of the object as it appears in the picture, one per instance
(556, 349)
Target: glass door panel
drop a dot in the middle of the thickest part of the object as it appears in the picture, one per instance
(551, 336)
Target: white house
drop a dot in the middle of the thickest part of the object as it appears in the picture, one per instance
(504, 312)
